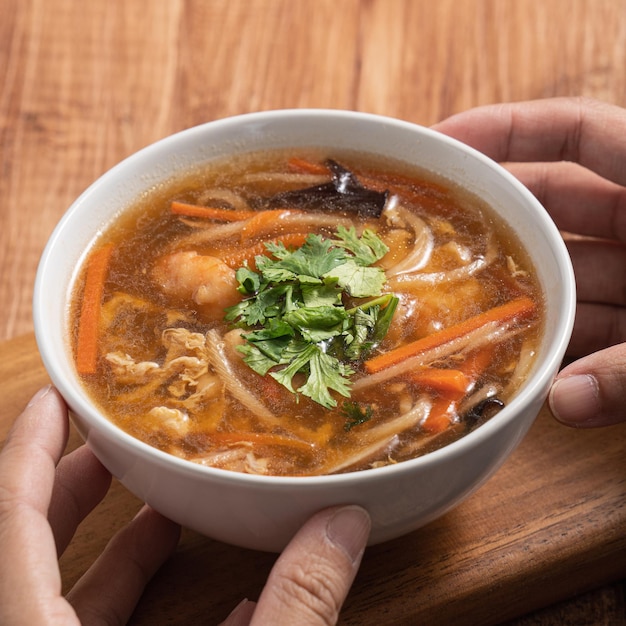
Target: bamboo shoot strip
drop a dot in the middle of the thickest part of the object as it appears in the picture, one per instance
(89, 321)
(260, 439)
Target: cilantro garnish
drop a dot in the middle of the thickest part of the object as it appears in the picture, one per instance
(294, 315)
(355, 414)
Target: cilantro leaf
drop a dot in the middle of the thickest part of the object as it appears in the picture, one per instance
(255, 359)
(277, 249)
(355, 414)
(258, 309)
(313, 259)
(276, 328)
(249, 281)
(294, 317)
(367, 249)
(297, 356)
(327, 293)
(326, 372)
(384, 319)
(370, 323)
(358, 339)
(316, 318)
(358, 281)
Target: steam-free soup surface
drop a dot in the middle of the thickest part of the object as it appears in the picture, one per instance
(309, 313)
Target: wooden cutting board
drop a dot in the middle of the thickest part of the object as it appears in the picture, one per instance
(550, 524)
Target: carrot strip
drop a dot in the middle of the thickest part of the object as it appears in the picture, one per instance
(89, 320)
(521, 308)
(211, 213)
(299, 164)
(439, 416)
(452, 381)
(238, 257)
(444, 407)
(263, 221)
(477, 362)
(422, 196)
(398, 183)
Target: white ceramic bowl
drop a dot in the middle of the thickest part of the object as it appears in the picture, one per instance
(261, 512)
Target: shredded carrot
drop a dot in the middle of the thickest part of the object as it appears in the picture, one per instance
(263, 221)
(477, 361)
(453, 387)
(299, 164)
(211, 213)
(423, 196)
(441, 379)
(398, 182)
(238, 257)
(439, 417)
(89, 320)
(453, 384)
(520, 308)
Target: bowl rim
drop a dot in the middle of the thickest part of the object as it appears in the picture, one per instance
(77, 398)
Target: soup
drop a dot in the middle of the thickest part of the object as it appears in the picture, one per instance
(305, 314)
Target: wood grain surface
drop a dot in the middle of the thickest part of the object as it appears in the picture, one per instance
(83, 85)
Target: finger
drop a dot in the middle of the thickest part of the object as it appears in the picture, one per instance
(110, 589)
(554, 129)
(311, 579)
(590, 392)
(578, 200)
(81, 483)
(597, 326)
(27, 467)
(33, 447)
(599, 269)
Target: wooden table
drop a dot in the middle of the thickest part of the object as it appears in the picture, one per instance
(83, 86)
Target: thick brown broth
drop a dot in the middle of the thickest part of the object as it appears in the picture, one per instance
(168, 370)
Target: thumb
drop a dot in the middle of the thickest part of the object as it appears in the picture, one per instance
(591, 391)
(311, 579)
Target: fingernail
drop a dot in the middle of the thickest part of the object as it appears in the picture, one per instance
(42, 393)
(241, 614)
(349, 529)
(575, 400)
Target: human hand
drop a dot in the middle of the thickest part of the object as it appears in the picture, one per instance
(570, 152)
(311, 579)
(40, 509)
